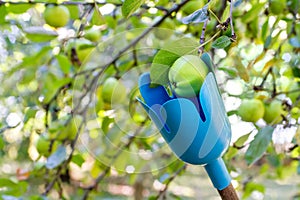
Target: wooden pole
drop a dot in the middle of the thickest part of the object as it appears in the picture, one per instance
(228, 193)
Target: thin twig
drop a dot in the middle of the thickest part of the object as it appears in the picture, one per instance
(50, 185)
(210, 39)
(62, 3)
(274, 93)
(215, 16)
(233, 36)
(137, 39)
(8, 127)
(113, 159)
(169, 181)
(261, 86)
(202, 37)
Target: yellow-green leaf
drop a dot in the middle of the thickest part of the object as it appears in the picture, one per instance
(97, 18)
(130, 6)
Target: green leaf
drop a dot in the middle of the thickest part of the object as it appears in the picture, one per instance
(39, 34)
(114, 1)
(164, 59)
(18, 8)
(298, 168)
(295, 41)
(232, 112)
(64, 63)
(9, 187)
(196, 17)
(30, 113)
(34, 61)
(159, 72)
(51, 85)
(253, 13)
(264, 29)
(259, 144)
(153, 197)
(74, 11)
(38, 197)
(78, 159)
(97, 18)
(221, 42)
(56, 158)
(251, 187)
(48, 1)
(231, 153)
(267, 42)
(3, 13)
(241, 69)
(230, 72)
(105, 124)
(27, 76)
(130, 6)
(37, 59)
(241, 141)
(2, 143)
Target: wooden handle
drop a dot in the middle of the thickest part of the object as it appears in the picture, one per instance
(228, 193)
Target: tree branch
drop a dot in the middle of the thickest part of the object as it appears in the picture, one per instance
(108, 167)
(62, 3)
(202, 37)
(8, 127)
(169, 181)
(136, 40)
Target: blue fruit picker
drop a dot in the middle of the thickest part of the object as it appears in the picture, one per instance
(196, 129)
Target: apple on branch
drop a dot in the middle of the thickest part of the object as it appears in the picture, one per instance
(251, 110)
(57, 16)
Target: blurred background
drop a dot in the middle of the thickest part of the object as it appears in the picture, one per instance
(70, 124)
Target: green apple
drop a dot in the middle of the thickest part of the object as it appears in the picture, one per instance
(192, 6)
(113, 91)
(187, 75)
(57, 16)
(273, 112)
(295, 112)
(251, 110)
(277, 6)
(43, 146)
(92, 34)
(165, 30)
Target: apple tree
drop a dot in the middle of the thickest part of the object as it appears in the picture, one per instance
(72, 128)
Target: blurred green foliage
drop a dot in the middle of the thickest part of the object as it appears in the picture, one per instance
(51, 76)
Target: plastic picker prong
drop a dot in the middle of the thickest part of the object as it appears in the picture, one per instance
(193, 138)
